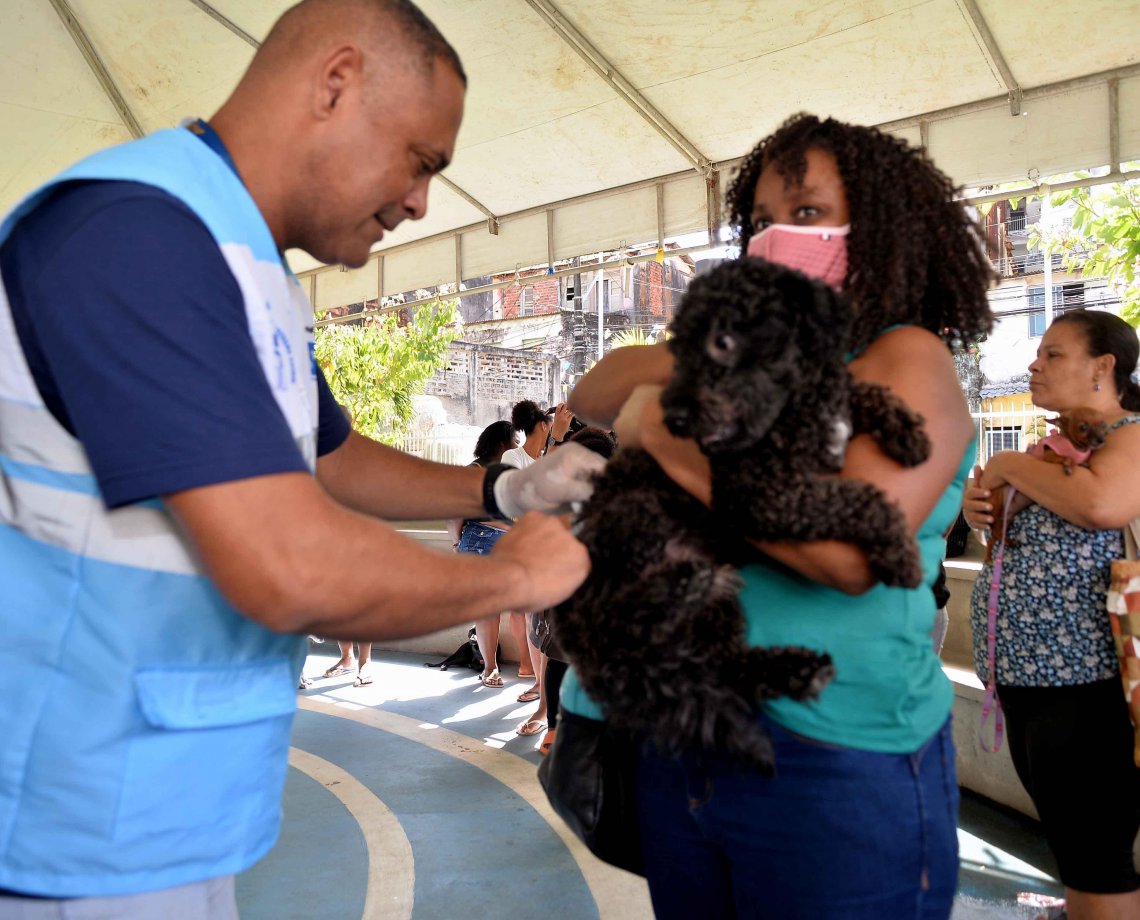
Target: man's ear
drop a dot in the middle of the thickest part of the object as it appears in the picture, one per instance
(340, 70)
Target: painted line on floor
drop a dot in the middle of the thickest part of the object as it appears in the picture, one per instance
(618, 895)
(390, 893)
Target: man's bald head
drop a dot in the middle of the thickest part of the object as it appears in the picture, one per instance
(345, 114)
(388, 28)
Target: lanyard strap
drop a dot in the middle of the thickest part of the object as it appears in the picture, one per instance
(205, 132)
(991, 703)
(208, 136)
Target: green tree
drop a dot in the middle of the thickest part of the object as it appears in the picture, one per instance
(1104, 240)
(375, 366)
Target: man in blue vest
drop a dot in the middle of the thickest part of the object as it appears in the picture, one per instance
(180, 498)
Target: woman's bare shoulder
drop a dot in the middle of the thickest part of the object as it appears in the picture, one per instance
(905, 351)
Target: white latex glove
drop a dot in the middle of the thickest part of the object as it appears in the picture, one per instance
(551, 484)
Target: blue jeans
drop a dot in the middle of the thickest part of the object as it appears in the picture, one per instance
(835, 833)
(478, 538)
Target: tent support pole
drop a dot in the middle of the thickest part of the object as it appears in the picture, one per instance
(91, 56)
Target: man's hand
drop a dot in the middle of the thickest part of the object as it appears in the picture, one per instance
(551, 484)
(554, 562)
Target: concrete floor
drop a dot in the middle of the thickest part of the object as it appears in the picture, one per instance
(414, 797)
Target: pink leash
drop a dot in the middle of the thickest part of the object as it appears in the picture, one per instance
(991, 703)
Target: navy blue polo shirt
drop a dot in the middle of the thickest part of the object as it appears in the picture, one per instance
(135, 333)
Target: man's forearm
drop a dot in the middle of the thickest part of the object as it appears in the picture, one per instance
(378, 480)
(284, 554)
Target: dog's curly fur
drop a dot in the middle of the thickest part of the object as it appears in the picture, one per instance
(656, 633)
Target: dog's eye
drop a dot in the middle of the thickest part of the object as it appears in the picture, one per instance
(722, 347)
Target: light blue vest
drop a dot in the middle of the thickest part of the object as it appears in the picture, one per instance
(144, 723)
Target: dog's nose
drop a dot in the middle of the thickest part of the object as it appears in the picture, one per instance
(677, 420)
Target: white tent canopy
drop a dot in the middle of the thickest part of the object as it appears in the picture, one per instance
(591, 124)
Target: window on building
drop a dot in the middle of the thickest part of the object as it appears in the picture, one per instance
(1069, 296)
(526, 301)
(998, 439)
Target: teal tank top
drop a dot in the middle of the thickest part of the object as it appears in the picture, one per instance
(889, 694)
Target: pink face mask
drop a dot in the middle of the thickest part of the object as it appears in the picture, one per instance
(818, 252)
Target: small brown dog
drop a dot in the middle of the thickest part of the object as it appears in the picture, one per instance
(1079, 433)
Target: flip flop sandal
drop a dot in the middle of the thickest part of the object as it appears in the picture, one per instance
(493, 680)
(528, 697)
(362, 680)
(531, 727)
(338, 671)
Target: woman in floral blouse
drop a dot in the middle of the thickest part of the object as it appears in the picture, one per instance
(1056, 670)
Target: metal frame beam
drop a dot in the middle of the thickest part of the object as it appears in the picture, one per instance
(227, 22)
(1110, 79)
(619, 84)
(492, 219)
(95, 62)
(1038, 92)
(989, 47)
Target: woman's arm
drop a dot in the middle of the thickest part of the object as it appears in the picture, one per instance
(917, 367)
(1105, 495)
(599, 396)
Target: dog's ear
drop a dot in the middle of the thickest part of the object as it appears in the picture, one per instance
(817, 314)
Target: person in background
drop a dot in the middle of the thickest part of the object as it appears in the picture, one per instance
(480, 536)
(1057, 676)
(942, 617)
(541, 428)
(346, 664)
(864, 781)
(602, 443)
(182, 501)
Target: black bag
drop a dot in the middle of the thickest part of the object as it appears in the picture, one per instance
(956, 538)
(589, 777)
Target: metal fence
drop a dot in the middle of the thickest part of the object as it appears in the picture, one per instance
(456, 449)
(1008, 429)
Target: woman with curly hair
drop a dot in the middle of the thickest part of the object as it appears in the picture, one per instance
(858, 820)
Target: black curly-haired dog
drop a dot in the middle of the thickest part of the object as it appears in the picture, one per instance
(656, 633)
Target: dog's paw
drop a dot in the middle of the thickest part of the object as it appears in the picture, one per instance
(809, 681)
(909, 446)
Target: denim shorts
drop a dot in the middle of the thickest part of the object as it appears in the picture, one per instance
(834, 833)
(478, 538)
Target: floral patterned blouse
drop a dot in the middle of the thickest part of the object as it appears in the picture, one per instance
(1052, 627)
